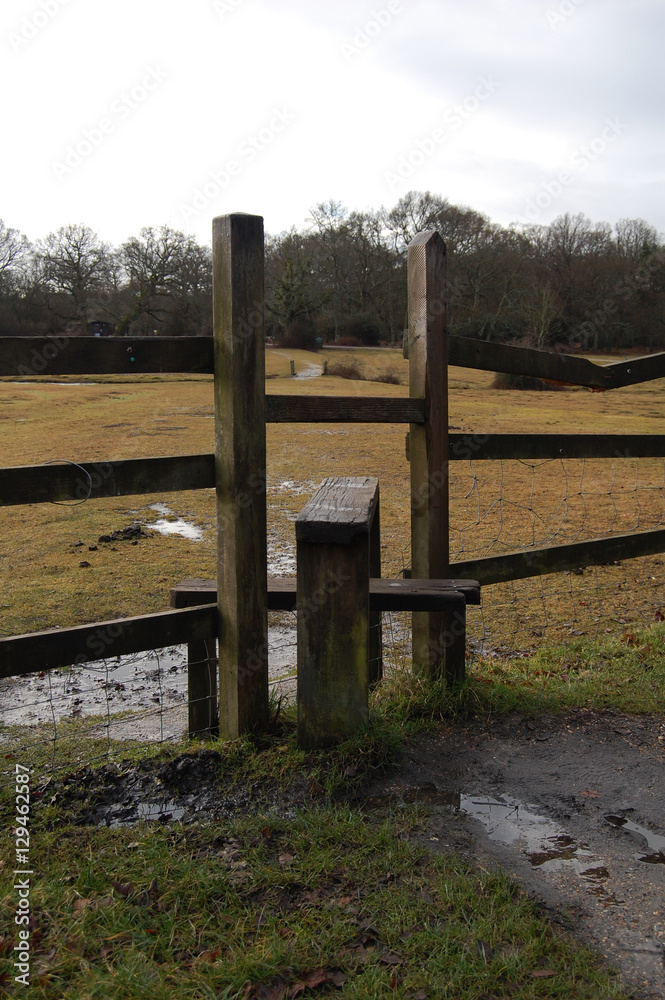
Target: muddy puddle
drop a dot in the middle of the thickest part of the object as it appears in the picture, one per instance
(150, 688)
(570, 805)
(545, 844)
(189, 788)
(170, 524)
(654, 843)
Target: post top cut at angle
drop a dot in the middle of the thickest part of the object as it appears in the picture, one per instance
(341, 509)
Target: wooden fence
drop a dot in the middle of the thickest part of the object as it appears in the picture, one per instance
(236, 470)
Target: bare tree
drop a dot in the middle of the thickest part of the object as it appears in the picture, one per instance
(14, 249)
(75, 265)
(154, 264)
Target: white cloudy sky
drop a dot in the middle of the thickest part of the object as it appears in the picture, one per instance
(537, 107)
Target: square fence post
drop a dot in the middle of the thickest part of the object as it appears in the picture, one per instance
(240, 472)
(333, 557)
(428, 442)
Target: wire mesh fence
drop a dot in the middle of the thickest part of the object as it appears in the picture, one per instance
(78, 714)
(507, 506)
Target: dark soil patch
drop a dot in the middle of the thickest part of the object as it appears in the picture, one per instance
(189, 788)
(572, 805)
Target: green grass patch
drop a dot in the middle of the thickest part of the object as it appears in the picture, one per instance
(332, 900)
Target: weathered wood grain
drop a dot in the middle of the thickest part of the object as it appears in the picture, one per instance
(77, 482)
(36, 651)
(384, 595)
(342, 508)
(333, 551)
(125, 477)
(557, 558)
(564, 368)
(202, 667)
(240, 467)
(344, 409)
(428, 442)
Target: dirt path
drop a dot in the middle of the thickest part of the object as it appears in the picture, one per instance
(531, 796)
(534, 797)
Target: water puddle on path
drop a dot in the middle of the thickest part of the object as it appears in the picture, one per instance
(116, 815)
(544, 843)
(654, 842)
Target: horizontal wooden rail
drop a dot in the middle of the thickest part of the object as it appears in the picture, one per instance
(93, 480)
(558, 558)
(533, 447)
(568, 369)
(384, 595)
(340, 409)
(25, 654)
(61, 355)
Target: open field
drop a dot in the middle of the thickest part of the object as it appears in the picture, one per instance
(496, 507)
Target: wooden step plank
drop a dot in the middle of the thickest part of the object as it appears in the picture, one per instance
(384, 595)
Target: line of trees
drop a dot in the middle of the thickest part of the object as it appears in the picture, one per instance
(342, 278)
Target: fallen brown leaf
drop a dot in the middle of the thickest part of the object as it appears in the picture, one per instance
(542, 973)
(209, 956)
(591, 794)
(390, 958)
(336, 977)
(124, 888)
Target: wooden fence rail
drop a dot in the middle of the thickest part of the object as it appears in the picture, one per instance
(127, 477)
(60, 355)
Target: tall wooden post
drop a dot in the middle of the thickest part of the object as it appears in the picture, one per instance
(333, 555)
(428, 442)
(240, 471)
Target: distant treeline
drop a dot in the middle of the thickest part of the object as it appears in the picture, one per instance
(342, 278)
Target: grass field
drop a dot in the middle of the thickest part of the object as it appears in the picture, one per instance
(540, 503)
(331, 898)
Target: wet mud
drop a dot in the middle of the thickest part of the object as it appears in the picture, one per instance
(572, 806)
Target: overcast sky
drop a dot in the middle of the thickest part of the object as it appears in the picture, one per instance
(142, 112)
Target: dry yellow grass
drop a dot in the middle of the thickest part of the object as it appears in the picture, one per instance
(44, 586)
